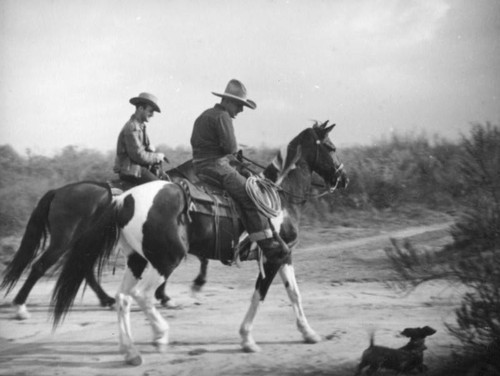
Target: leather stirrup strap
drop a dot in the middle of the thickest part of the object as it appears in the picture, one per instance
(234, 217)
(216, 226)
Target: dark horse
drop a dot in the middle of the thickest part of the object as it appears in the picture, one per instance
(152, 226)
(62, 214)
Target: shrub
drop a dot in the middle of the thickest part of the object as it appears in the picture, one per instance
(475, 250)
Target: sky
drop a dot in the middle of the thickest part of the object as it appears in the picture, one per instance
(374, 67)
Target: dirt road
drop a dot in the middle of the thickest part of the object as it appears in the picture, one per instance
(343, 293)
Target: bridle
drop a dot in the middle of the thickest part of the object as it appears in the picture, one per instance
(304, 198)
(337, 173)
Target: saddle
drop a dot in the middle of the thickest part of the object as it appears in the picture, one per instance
(206, 198)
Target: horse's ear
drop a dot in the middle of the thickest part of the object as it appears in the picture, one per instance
(328, 129)
(322, 126)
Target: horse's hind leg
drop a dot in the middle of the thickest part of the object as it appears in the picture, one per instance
(123, 303)
(38, 269)
(287, 274)
(104, 299)
(139, 282)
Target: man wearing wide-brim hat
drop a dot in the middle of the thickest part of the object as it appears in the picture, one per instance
(214, 148)
(134, 154)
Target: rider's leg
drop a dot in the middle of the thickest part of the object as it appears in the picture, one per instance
(256, 224)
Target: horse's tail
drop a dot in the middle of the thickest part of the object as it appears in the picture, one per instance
(34, 238)
(93, 246)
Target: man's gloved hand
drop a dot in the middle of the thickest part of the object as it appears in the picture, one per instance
(239, 155)
(245, 171)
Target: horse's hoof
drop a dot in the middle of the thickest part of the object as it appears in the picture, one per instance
(108, 303)
(134, 360)
(161, 347)
(23, 316)
(195, 288)
(171, 304)
(22, 313)
(250, 347)
(312, 338)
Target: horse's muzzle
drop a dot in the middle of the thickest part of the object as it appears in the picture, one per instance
(342, 180)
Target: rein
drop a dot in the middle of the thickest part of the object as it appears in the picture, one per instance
(302, 198)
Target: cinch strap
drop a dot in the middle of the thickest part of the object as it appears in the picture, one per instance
(261, 235)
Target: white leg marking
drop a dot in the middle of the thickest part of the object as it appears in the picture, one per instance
(123, 303)
(247, 342)
(22, 312)
(287, 273)
(143, 293)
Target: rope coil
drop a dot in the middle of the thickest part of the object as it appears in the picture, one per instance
(264, 195)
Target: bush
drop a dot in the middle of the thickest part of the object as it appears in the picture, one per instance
(25, 179)
(475, 250)
(399, 171)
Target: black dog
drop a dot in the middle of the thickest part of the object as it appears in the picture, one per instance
(404, 359)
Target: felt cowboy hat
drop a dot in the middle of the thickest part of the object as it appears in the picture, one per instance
(146, 98)
(237, 91)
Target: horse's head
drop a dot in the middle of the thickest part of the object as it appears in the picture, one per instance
(314, 147)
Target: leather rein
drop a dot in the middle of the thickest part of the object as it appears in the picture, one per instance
(303, 198)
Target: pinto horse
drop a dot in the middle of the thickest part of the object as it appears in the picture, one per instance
(152, 226)
(61, 215)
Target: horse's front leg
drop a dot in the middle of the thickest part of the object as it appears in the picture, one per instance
(165, 300)
(261, 287)
(201, 279)
(287, 274)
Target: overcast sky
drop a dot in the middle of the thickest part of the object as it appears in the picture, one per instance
(69, 67)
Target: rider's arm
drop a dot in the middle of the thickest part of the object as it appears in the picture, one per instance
(136, 149)
(227, 139)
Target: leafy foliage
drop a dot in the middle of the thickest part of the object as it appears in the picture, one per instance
(394, 172)
(25, 179)
(473, 258)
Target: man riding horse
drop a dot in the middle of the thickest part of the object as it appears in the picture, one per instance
(214, 147)
(134, 154)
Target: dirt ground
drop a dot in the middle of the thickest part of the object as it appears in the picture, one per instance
(343, 293)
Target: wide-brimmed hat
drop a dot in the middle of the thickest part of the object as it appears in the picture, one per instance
(146, 98)
(237, 91)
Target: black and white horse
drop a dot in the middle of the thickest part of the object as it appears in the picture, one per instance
(151, 225)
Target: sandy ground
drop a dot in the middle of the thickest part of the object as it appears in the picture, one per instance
(343, 293)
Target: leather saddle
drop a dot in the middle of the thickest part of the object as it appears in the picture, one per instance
(207, 198)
